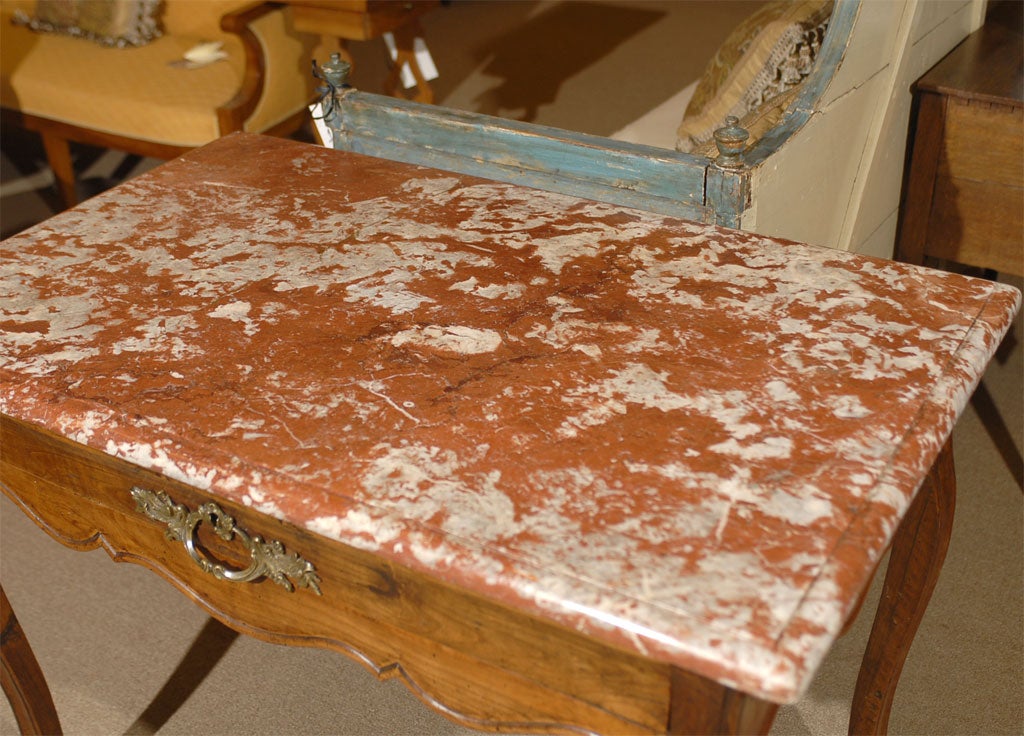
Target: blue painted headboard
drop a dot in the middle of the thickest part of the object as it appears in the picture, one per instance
(655, 179)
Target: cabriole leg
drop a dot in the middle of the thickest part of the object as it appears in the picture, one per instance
(22, 680)
(915, 560)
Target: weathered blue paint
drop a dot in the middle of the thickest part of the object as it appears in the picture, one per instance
(728, 194)
(602, 169)
(645, 177)
(830, 56)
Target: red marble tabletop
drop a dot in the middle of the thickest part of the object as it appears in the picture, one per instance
(692, 442)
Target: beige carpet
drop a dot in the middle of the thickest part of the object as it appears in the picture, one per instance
(114, 640)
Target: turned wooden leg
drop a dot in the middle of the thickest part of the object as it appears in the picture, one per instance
(58, 156)
(702, 706)
(22, 680)
(914, 564)
(405, 38)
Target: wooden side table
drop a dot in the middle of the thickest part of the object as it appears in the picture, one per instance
(965, 191)
(364, 20)
(562, 466)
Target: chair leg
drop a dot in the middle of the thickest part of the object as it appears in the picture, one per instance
(405, 37)
(22, 680)
(58, 156)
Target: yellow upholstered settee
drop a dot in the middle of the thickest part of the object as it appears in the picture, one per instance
(142, 98)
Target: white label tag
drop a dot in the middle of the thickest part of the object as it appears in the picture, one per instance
(423, 59)
(322, 130)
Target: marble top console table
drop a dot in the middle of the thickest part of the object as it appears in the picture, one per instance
(561, 465)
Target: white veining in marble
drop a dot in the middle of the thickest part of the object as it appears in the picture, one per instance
(688, 441)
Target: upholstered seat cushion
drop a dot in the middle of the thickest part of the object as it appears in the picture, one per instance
(138, 92)
(133, 92)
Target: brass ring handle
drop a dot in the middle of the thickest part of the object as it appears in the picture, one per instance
(269, 559)
(225, 528)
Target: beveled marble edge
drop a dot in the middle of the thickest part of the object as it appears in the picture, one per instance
(898, 487)
(781, 672)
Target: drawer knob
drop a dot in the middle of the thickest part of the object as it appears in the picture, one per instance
(269, 559)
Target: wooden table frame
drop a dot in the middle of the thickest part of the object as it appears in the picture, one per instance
(81, 497)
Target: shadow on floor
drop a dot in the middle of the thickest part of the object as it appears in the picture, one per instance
(535, 58)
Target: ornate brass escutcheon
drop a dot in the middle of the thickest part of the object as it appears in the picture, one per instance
(269, 559)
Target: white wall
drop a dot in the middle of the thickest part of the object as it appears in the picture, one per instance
(837, 180)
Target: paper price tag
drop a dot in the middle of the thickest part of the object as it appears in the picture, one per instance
(323, 132)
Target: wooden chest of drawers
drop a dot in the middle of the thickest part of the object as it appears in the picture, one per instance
(965, 192)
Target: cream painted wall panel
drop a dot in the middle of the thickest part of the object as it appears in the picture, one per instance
(934, 13)
(837, 181)
(879, 198)
(868, 52)
(879, 243)
(801, 190)
(879, 152)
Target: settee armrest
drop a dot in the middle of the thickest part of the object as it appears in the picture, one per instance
(276, 84)
(232, 115)
(141, 100)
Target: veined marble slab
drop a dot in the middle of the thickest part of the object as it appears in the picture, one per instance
(691, 442)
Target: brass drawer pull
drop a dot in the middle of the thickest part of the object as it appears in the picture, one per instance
(268, 558)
